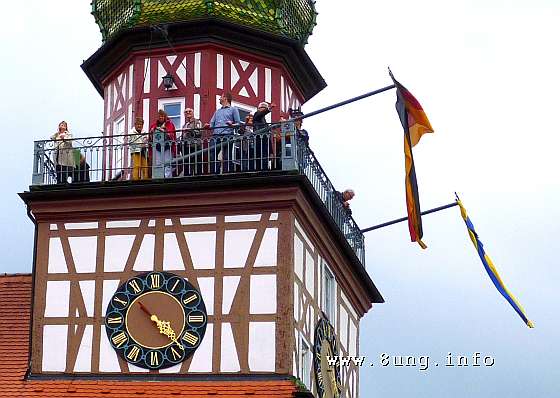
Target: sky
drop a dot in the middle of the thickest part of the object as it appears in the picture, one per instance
(486, 73)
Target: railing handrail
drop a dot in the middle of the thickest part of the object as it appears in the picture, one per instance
(289, 153)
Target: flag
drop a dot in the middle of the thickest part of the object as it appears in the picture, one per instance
(415, 123)
(490, 269)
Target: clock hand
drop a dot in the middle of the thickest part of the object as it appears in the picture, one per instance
(163, 326)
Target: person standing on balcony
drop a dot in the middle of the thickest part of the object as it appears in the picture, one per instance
(263, 138)
(301, 134)
(137, 139)
(191, 142)
(163, 154)
(222, 125)
(64, 156)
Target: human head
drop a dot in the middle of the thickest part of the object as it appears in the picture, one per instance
(189, 113)
(138, 123)
(348, 194)
(62, 126)
(262, 105)
(226, 98)
(162, 116)
(296, 114)
(249, 119)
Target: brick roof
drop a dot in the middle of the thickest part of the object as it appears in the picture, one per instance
(15, 308)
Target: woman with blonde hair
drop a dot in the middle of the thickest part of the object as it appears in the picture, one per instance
(64, 156)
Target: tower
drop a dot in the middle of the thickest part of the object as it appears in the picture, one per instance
(252, 280)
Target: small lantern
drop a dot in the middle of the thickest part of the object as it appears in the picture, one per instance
(168, 81)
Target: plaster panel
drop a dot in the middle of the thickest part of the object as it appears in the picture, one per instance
(109, 288)
(243, 218)
(310, 273)
(145, 259)
(83, 360)
(117, 250)
(172, 259)
(266, 257)
(123, 224)
(202, 246)
(57, 261)
(263, 294)
(236, 247)
(54, 348)
(229, 361)
(343, 332)
(108, 361)
(202, 358)
(206, 286)
(84, 253)
(58, 299)
(262, 346)
(230, 288)
(198, 220)
(88, 294)
(298, 257)
(81, 225)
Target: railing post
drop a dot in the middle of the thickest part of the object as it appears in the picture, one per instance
(158, 164)
(289, 151)
(38, 163)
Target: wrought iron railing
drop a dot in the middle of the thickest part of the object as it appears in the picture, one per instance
(79, 161)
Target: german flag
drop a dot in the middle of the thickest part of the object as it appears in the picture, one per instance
(415, 124)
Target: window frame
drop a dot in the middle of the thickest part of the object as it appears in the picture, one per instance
(328, 293)
(162, 102)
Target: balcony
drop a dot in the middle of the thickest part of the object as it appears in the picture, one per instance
(273, 151)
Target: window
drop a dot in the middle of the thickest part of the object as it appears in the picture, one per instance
(173, 111)
(328, 293)
(305, 364)
(174, 108)
(244, 110)
(117, 149)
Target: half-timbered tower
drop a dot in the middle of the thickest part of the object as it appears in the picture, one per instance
(249, 281)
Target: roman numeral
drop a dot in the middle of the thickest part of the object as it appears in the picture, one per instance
(134, 285)
(175, 354)
(175, 285)
(190, 299)
(155, 281)
(196, 318)
(154, 358)
(133, 354)
(119, 339)
(190, 338)
(116, 320)
(118, 300)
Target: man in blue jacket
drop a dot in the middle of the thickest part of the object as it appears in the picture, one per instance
(223, 125)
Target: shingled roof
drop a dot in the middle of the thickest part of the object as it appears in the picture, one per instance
(15, 310)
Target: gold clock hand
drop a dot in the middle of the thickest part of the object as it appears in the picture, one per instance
(163, 326)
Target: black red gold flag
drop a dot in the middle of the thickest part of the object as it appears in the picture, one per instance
(415, 124)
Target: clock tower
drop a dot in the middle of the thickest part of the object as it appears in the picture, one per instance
(254, 278)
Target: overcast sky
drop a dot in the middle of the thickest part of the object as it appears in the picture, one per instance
(487, 74)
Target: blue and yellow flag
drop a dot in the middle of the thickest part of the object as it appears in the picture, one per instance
(490, 269)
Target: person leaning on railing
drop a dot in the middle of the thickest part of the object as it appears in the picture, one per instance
(137, 140)
(191, 142)
(262, 140)
(222, 123)
(64, 156)
(162, 155)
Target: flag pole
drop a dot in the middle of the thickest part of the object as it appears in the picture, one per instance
(386, 224)
(348, 101)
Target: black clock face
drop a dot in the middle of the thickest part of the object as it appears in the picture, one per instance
(325, 351)
(156, 320)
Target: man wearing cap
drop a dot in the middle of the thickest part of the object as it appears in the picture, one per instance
(191, 136)
(262, 141)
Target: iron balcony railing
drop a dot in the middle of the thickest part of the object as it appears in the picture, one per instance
(80, 161)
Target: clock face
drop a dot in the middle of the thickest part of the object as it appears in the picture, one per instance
(156, 320)
(325, 350)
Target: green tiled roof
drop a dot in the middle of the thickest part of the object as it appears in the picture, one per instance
(294, 19)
